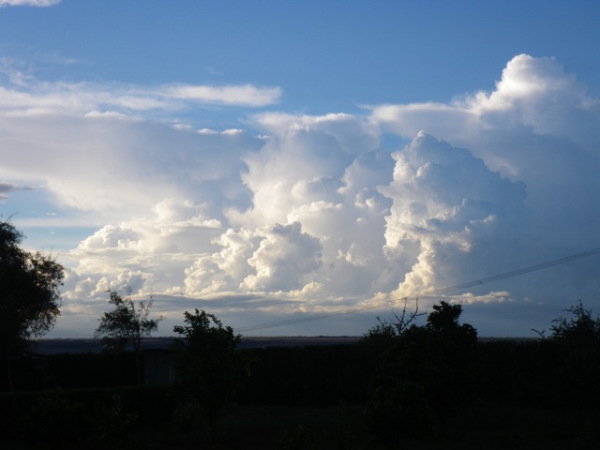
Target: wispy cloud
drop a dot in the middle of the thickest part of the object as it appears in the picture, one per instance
(247, 94)
(24, 94)
(37, 3)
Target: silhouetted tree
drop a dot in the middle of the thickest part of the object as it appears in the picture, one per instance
(427, 373)
(578, 340)
(389, 331)
(580, 328)
(443, 322)
(209, 368)
(29, 293)
(126, 324)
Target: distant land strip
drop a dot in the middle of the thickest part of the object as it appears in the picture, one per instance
(48, 347)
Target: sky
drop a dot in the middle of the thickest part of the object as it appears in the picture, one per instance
(305, 167)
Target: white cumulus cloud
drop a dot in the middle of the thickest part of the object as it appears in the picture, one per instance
(314, 213)
(449, 213)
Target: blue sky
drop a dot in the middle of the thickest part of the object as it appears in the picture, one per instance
(268, 161)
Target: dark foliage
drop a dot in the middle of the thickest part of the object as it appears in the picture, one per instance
(578, 339)
(428, 386)
(384, 336)
(29, 295)
(208, 365)
(308, 376)
(581, 329)
(443, 322)
(29, 282)
(126, 324)
(425, 374)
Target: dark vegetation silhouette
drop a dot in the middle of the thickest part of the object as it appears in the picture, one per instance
(408, 383)
(127, 324)
(29, 293)
(578, 340)
(411, 382)
(424, 374)
(580, 329)
(209, 368)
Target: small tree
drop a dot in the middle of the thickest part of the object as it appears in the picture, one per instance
(209, 367)
(443, 322)
(29, 293)
(398, 327)
(578, 341)
(387, 334)
(580, 328)
(126, 324)
(424, 375)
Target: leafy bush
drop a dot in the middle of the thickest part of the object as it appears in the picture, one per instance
(580, 329)
(578, 337)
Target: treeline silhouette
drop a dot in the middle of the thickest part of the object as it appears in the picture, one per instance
(409, 382)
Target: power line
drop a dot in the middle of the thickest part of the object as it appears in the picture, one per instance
(514, 273)
(446, 290)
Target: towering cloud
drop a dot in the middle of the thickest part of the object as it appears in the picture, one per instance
(449, 214)
(314, 213)
(538, 126)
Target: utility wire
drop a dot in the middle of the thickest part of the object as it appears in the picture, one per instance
(446, 290)
(514, 273)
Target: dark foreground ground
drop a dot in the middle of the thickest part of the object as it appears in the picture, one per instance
(539, 394)
(341, 427)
